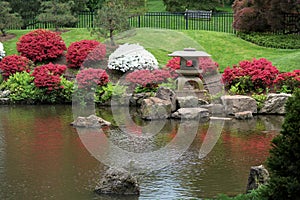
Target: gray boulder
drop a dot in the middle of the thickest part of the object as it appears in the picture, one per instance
(191, 113)
(155, 108)
(165, 93)
(91, 121)
(187, 102)
(118, 181)
(275, 104)
(243, 115)
(259, 175)
(137, 99)
(214, 108)
(238, 103)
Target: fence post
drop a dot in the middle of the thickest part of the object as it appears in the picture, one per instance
(186, 21)
(139, 21)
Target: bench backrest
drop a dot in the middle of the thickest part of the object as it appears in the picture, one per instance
(199, 14)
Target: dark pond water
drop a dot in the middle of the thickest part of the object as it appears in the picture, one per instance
(43, 157)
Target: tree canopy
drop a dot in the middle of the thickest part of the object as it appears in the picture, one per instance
(283, 163)
(111, 18)
(7, 18)
(181, 6)
(266, 15)
(57, 13)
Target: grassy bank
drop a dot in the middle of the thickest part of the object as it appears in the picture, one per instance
(226, 49)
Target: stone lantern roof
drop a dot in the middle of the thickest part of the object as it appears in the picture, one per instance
(190, 53)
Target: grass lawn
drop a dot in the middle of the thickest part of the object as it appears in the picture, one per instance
(226, 49)
(156, 6)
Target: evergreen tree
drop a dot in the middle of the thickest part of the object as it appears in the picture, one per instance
(284, 160)
(57, 13)
(7, 18)
(111, 18)
(26, 9)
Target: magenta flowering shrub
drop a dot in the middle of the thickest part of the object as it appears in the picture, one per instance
(208, 66)
(150, 79)
(90, 78)
(14, 63)
(258, 74)
(85, 52)
(288, 81)
(41, 45)
(48, 76)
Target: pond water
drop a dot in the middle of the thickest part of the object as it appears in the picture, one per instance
(43, 157)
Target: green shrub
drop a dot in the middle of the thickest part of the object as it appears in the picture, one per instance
(105, 93)
(260, 100)
(21, 87)
(279, 41)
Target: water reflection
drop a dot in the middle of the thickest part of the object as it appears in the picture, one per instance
(42, 157)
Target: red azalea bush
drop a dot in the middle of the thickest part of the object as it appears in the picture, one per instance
(85, 50)
(254, 75)
(288, 81)
(48, 76)
(14, 63)
(206, 64)
(88, 78)
(148, 78)
(174, 63)
(41, 45)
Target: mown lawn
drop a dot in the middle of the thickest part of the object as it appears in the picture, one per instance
(226, 49)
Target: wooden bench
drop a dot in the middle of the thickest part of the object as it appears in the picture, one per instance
(198, 14)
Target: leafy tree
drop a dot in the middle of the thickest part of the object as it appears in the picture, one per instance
(265, 15)
(27, 10)
(280, 8)
(57, 13)
(111, 18)
(7, 18)
(181, 6)
(250, 16)
(77, 5)
(284, 160)
(93, 5)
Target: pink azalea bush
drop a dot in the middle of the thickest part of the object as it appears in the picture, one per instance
(150, 78)
(84, 52)
(90, 78)
(14, 63)
(48, 76)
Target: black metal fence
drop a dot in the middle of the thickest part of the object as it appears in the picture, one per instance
(219, 21)
(163, 20)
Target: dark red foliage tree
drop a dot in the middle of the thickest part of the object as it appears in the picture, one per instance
(250, 15)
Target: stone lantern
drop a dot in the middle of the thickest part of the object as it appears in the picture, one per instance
(190, 68)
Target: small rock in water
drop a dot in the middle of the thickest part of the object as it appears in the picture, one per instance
(259, 175)
(91, 121)
(118, 181)
(243, 115)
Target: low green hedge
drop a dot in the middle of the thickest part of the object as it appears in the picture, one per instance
(278, 41)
